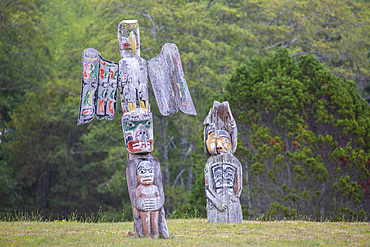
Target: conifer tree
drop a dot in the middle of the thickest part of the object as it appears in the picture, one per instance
(305, 137)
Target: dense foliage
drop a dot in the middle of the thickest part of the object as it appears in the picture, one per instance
(305, 138)
(49, 164)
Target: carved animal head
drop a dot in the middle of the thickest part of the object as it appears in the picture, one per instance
(128, 37)
(138, 131)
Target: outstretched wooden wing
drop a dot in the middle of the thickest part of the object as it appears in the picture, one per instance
(99, 87)
(168, 81)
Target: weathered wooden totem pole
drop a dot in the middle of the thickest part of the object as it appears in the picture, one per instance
(223, 172)
(101, 79)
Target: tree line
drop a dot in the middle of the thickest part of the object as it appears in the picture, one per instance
(295, 73)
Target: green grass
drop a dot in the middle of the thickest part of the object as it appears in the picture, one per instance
(187, 232)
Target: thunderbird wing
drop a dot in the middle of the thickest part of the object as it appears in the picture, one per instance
(168, 81)
(99, 87)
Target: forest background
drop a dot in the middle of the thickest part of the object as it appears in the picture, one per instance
(296, 74)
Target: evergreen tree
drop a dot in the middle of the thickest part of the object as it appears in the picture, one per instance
(305, 137)
(22, 66)
(47, 162)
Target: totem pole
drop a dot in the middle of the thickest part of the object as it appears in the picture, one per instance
(223, 172)
(101, 79)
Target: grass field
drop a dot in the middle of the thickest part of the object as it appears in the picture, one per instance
(187, 232)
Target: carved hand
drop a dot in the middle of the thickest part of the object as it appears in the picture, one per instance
(139, 203)
(148, 204)
(233, 198)
(221, 205)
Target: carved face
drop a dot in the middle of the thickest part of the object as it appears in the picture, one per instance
(128, 36)
(145, 173)
(217, 141)
(138, 131)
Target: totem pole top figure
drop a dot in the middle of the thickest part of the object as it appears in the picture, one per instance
(128, 38)
(223, 171)
(101, 79)
(220, 132)
(137, 118)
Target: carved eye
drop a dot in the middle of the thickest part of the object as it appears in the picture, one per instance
(130, 124)
(142, 172)
(150, 171)
(148, 123)
(124, 33)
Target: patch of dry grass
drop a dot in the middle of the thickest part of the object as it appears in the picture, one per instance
(188, 232)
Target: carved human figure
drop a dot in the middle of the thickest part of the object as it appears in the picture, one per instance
(146, 189)
(223, 171)
(142, 205)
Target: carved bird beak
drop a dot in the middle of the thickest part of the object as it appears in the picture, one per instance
(132, 41)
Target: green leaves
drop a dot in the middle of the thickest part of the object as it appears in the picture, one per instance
(287, 110)
(304, 129)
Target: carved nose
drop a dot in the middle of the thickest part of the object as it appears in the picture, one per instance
(142, 133)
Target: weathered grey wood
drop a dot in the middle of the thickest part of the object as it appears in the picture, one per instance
(147, 199)
(138, 131)
(101, 79)
(146, 204)
(99, 87)
(223, 181)
(220, 119)
(100, 82)
(169, 85)
(90, 81)
(223, 171)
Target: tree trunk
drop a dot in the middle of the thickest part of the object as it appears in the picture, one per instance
(259, 209)
(322, 208)
(190, 178)
(164, 147)
(289, 180)
(247, 183)
(41, 192)
(185, 153)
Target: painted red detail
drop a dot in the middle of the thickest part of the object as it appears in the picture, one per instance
(86, 71)
(111, 109)
(87, 112)
(145, 148)
(101, 106)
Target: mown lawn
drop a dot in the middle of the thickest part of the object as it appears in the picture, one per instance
(187, 232)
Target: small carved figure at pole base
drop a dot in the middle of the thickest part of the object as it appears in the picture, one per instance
(142, 205)
(223, 171)
(146, 189)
